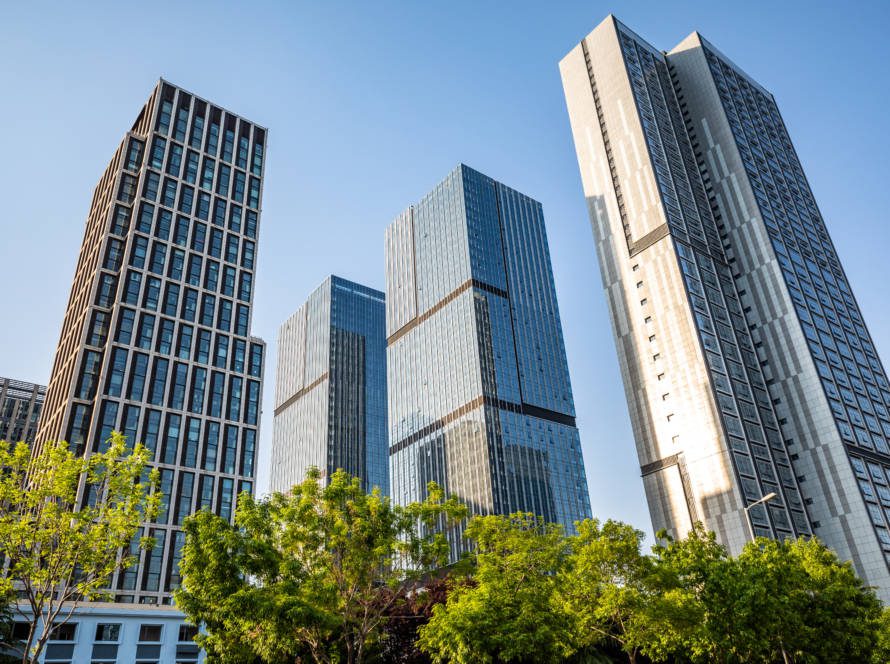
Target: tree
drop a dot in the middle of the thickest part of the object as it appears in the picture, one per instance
(504, 612)
(790, 601)
(606, 588)
(66, 523)
(311, 574)
(398, 644)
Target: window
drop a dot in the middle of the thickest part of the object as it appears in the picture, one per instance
(65, 632)
(171, 441)
(196, 400)
(171, 299)
(146, 331)
(181, 236)
(238, 352)
(223, 178)
(202, 350)
(186, 492)
(253, 200)
(251, 227)
(184, 347)
(108, 631)
(226, 498)
(191, 167)
(186, 199)
(256, 360)
(224, 318)
(114, 255)
(106, 290)
(219, 212)
(177, 388)
(235, 218)
(245, 286)
(242, 320)
(228, 285)
(253, 401)
(120, 220)
(98, 329)
(116, 371)
(189, 305)
(257, 165)
(192, 442)
(146, 214)
(221, 351)
(158, 258)
(234, 410)
(125, 326)
(187, 633)
(211, 443)
(207, 174)
(152, 293)
(247, 252)
(208, 306)
(232, 248)
(139, 251)
(174, 160)
(165, 336)
(203, 206)
(138, 373)
(217, 386)
(206, 492)
(194, 271)
(134, 155)
(248, 451)
(158, 381)
(149, 187)
(177, 260)
(165, 221)
(127, 190)
(89, 374)
(211, 275)
(199, 235)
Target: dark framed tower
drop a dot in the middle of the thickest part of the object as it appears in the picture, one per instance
(156, 339)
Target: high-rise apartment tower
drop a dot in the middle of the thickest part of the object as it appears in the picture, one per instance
(479, 393)
(330, 397)
(156, 337)
(747, 366)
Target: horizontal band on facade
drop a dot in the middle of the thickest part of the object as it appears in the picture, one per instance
(649, 239)
(417, 320)
(296, 397)
(521, 408)
(870, 455)
(660, 464)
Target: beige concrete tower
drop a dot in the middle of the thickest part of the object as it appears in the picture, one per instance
(707, 436)
(747, 365)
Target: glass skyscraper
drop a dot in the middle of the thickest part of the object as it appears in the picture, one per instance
(330, 397)
(479, 394)
(20, 406)
(747, 364)
(156, 337)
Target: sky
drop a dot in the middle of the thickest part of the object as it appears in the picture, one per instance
(369, 105)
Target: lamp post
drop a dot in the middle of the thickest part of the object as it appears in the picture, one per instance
(768, 497)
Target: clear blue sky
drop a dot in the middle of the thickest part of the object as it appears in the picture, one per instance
(369, 105)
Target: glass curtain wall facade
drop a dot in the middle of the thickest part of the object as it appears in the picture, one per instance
(330, 397)
(20, 406)
(708, 437)
(752, 298)
(156, 339)
(479, 394)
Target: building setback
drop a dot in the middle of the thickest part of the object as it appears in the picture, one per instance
(330, 396)
(20, 406)
(156, 336)
(479, 394)
(747, 365)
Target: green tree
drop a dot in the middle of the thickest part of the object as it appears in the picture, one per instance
(66, 523)
(790, 601)
(505, 611)
(311, 574)
(607, 590)
(881, 653)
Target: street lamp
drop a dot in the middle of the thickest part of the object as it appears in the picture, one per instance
(768, 497)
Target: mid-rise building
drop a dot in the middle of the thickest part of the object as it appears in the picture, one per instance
(748, 368)
(156, 340)
(479, 394)
(330, 396)
(20, 406)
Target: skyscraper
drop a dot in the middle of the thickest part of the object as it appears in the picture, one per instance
(20, 406)
(479, 393)
(156, 337)
(746, 362)
(330, 396)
